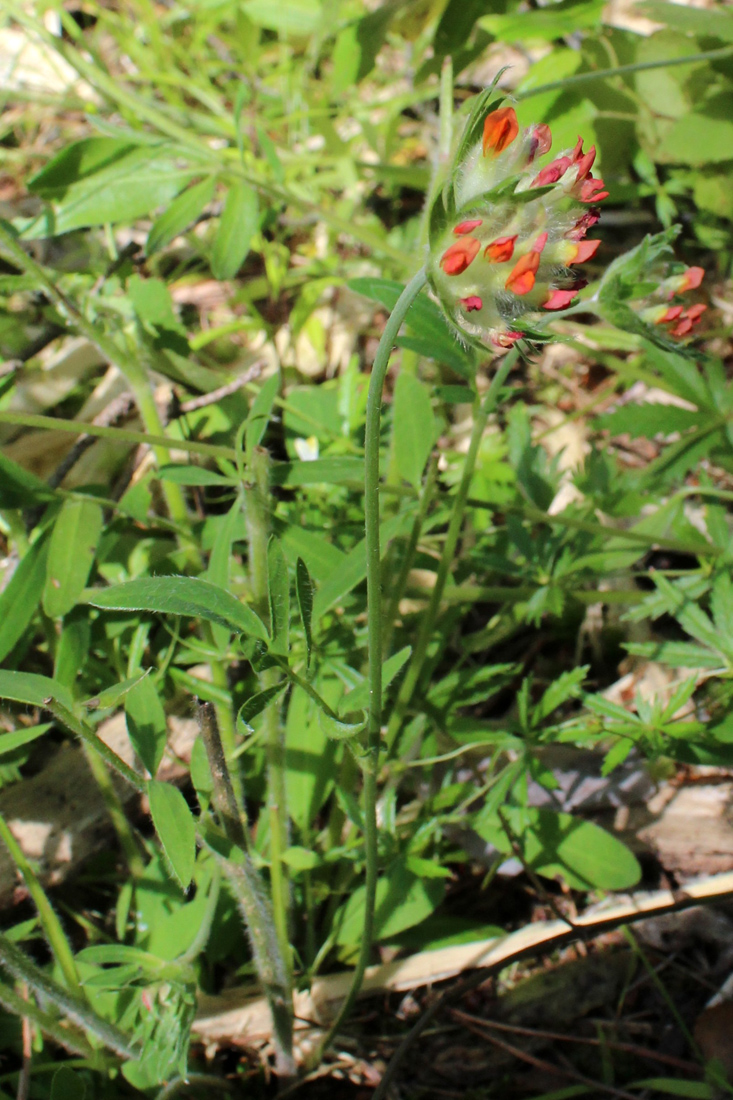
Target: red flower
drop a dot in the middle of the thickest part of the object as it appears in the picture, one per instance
(458, 256)
(693, 277)
(589, 191)
(500, 129)
(521, 279)
(552, 172)
(467, 227)
(581, 227)
(506, 339)
(584, 250)
(586, 163)
(689, 318)
(540, 140)
(471, 303)
(539, 244)
(500, 250)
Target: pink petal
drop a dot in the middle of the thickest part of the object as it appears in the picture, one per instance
(467, 227)
(552, 172)
(559, 299)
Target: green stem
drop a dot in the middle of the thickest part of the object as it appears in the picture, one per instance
(123, 436)
(73, 1041)
(257, 498)
(306, 687)
(374, 634)
(50, 922)
(447, 557)
(89, 737)
(398, 591)
(247, 887)
(621, 70)
(115, 809)
(23, 969)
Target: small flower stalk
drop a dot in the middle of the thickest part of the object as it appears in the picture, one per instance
(510, 227)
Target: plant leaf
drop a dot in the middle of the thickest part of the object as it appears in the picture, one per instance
(257, 703)
(176, 829)
(403, 900)
(359, 697)
(9, 742)
(278, 590)
(146, 724)
(182, 212)
(414, 427)
(35, 690)
(181, 596)
(71, 552)
(22, 595)
(304, 592)
(340, 731)
(19, 488)
(237, 226)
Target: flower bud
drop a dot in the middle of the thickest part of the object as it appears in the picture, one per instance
(506, 233)
(647, 292)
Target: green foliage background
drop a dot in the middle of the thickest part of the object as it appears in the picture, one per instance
(282, 151)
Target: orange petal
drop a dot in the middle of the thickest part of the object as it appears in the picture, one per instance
(521, 279)
(500, 250)
(458, 256)
(500, 129)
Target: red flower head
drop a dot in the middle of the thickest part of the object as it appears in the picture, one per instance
(488, 215)
(680, 317)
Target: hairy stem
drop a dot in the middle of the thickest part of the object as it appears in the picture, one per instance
(15, 962)
(254, 905)
(414, 670)
(374, 628)
(258, 530)
(72, 1040)
(55, 935)
(426, 498)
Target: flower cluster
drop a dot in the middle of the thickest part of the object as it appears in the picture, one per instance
(681, 319)
(512, 233)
